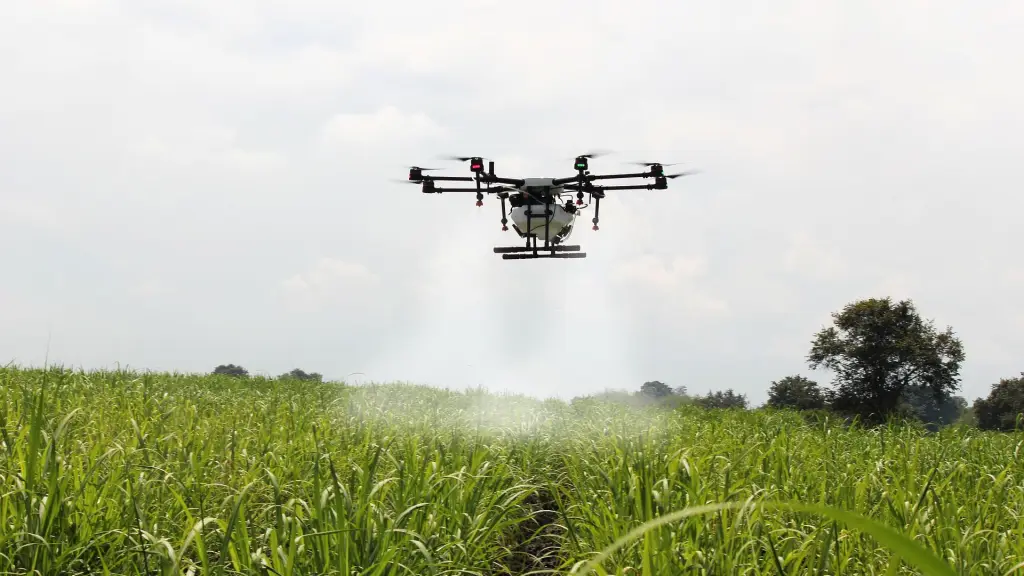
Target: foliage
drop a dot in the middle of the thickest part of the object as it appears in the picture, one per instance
(127, 473)
(655, 389)
(719, 399)
(1003, 409)
(968, 418)
(624, 397)
(919, 403)
(637, 399)
(878, 348)
(231, 370)
(797, 392)
(298, 374)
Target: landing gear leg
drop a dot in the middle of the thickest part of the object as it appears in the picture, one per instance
(529, 229)
(504, 220)
(547, 220)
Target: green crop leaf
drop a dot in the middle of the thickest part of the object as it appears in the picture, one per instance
(911, 551)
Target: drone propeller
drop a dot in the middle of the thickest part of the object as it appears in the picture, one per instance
(594, 154)
(687, 173)
(461, 158)
(581, 163)
(652, 164)
(476, 162)
(416, 173)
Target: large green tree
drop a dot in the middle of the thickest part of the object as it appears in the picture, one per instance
(655, 389)
(877, 349)
(231, 370)
(720, 399)
(1003, 409)
(796, 392)
(299, 374)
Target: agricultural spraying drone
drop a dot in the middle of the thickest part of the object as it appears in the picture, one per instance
(537, 205)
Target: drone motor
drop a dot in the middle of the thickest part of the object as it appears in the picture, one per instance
(416, 173)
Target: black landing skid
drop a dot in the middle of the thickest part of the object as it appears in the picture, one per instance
(534, 251)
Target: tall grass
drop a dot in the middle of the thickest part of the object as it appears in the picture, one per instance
(126, 473)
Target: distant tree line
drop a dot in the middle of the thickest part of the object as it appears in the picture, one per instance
(887, 362)
(240, 372)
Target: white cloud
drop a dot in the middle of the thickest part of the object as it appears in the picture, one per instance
(150, 288)
(814, 258)
(1013, 276)
(330, 281)
(27, 211)
(674, 285)
(656, 273)
(386, 126)
(185, 147)
(898, 286)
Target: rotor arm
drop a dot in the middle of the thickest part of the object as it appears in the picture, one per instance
(592, 177)
(620, 176)
(480, 190)
(603, 188)
(491, 179)
(440, 190)
(596, 189)
(448, 178)
(560, 181)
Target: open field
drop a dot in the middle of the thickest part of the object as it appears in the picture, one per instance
(124, 473)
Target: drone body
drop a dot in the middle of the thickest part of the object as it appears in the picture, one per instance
(538, 210)
(549, 221)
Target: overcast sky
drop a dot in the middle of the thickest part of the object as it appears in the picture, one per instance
(187, 183)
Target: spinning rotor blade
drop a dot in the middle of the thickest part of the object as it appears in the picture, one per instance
(594, 154)
(652, 164)
(396, 180)
(424, 169)
(462, 158)
(687, 173)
